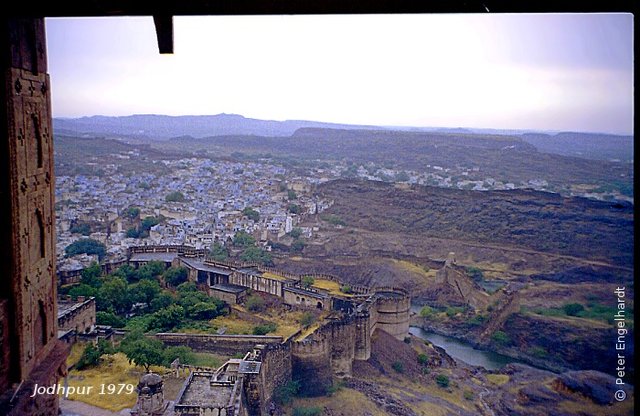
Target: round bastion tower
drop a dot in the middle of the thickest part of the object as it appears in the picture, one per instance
(393, 306)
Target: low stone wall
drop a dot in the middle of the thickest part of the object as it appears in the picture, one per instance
(219, 344)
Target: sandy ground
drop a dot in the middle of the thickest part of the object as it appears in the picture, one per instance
(75, 408)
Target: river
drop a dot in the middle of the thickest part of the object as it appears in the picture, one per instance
(464, 351)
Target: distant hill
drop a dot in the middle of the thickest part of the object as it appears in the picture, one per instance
(165, 127)
(585, 145)
(160, 127)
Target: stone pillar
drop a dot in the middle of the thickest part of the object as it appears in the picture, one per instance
(27, 229)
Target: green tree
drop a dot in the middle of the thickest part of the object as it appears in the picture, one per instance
(145, 291)
(168, 318)
(573, 309)
(297, 246)
(294, 208)
(149, 222)
(151, 270)
(291, 195)
(243, 239)
(442, 381)
(132, 213)
(218, 252)
(114, 295)
(163, 300)
(285, 393)
(132, 233)
(175, 275)
(175, 196)
(426, 312)
(251, 213)
(255, 303)
(143, 351)
(264, 329)
(91, 275)
(86, 245)
(398, 366)
(307, 319)
(346, 288)
(81, 228)
(501, 337)
(256, 254)
(307, 281)
(423, 359)
(128, 272)
(296, 232)
(109, 318)
(183, 353)
(90, 357)
(82, 290)
(204, 310)
(475, 273)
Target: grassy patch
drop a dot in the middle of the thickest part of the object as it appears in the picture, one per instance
(274, 276)
(344, 401)
(115, 369)
(498, 379)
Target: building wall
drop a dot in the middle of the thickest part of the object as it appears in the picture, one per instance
(311, 365)
(27, 230)
(223, 344)
(230, 298)
(307, 300)
(259, 283)
(82, 318)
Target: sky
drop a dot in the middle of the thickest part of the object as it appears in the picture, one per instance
(537, 71)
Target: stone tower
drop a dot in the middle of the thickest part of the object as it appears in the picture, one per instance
(150, 396)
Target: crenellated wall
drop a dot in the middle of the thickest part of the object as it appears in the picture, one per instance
(311, 364)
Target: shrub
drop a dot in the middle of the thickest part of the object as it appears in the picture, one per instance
(468, 395)
(284, 394)
(426, 312)
(501, 337)
(109, 318)
(398, 367)
(255, 303)
(307, 411)
(307, 319)
(442, 381)
(423, 359)
(175, 197)
(407, 340)
(264, 329)
(308, 281)
(573, 309)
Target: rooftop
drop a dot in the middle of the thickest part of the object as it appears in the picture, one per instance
(201, 392)
(166, 257)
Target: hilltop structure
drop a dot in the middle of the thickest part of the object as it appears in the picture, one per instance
(313, 357)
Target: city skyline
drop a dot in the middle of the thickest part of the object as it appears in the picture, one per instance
(544, 72)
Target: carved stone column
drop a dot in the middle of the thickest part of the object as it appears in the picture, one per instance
(28, 324)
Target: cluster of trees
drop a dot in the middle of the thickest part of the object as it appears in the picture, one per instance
(175, 196)
(251, 213)
(143, 230)
(139, 349)
(86, 245)
(128, 292)
(251, 253)
(81, 228)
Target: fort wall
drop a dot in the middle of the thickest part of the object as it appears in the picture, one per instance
(223, 344)
(311, 364)
(393, 307)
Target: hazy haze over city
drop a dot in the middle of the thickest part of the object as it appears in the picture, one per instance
(548, 72)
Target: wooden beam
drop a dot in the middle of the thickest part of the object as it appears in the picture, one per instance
(164, 33)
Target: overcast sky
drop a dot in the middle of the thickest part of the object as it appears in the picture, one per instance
(548, 72)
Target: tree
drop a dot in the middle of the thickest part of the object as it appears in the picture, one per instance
(204, 310)
(426, 311)
(184, 354)
(82, 228)
(296, 232)
(143, 351)
(291, 195)
(264, 329)
(294, 209)
(573, 309)
(501, 337)
(162, 301)
(114, 294)
(145, 291)
(307, 319)
(132, 233)
(243, 239)
(347, 289)
(91, 275)
(151, 270)
(256, 254)
(442, 381)
(255, 303)
(86, 245)
(175, 275)
(109, 318)
(218, 252)
(149, 222)
(82, 290)
(307, 281)
(90, 357)
(475, 273)
(251, 213)
(398, 366)
(423, 359)
(175, 196)
(168, 318)
(128, 272)
(298, 245)
(132, 213)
